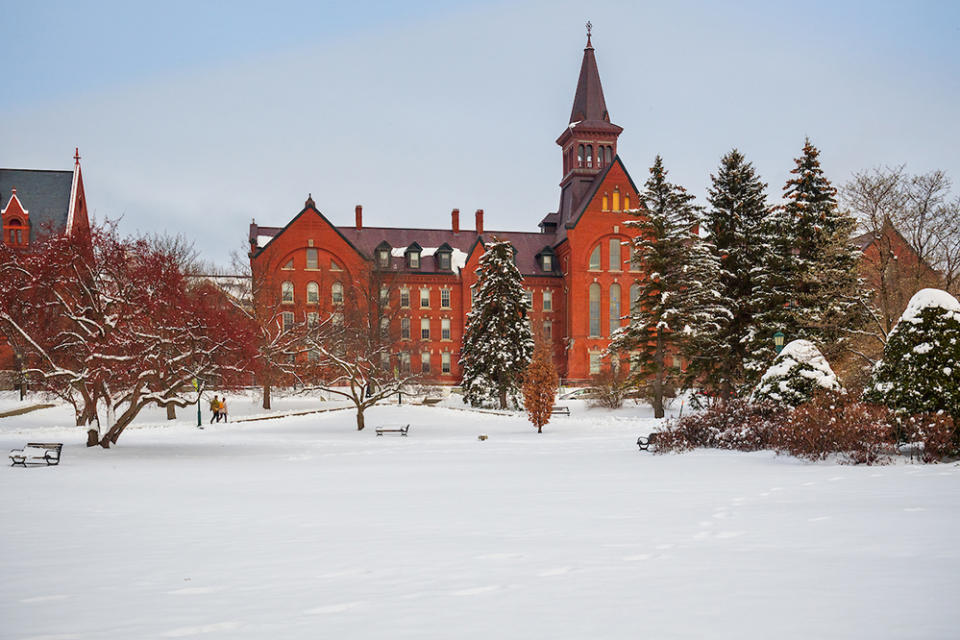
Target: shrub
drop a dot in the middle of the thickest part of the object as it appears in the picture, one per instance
(735, 424)
(610, 386)
(936, 432)
(796, 375)
(832, 424)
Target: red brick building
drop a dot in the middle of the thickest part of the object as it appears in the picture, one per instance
(37, 202)
(576, 268)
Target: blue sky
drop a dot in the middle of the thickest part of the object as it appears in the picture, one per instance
(196, 117)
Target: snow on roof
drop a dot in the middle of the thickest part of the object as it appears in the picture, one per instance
(926, 298)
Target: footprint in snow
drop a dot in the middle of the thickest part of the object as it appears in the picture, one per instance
(216, 627)
(475, 591)
(332, 608)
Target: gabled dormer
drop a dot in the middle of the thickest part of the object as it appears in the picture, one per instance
(16, 222)
(381, 255)
(546, 259)
(412, 255)
(443, 257)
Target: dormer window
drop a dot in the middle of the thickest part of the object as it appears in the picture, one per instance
(382, 253)
(546, 259)
(547, 262)
(413, 256)
(443, 254)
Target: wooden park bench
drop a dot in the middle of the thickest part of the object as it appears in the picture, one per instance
(429, 402)
(400, 430)
(47, 453)
(644, 443)
(560, 411)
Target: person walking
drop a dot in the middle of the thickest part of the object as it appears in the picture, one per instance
(214, 410)
(223, 408)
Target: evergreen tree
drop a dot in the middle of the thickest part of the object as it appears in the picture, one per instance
(808, 286)
(497, 343)
(920, 370)
(677, 301)
(735, 220)
(797, 373)
(540, 382)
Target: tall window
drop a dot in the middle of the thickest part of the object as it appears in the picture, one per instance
(404, 357)
(595, 259)
(404, 298)
(16, 232)
(594, 309)
(445, 329)
(615, 263)
(614, 307)
(414, 257)
(425, 362)
(548, 300)
(580, 156)
(626, 203)
(383, 258)
(548, 329)
(286, 292)
(424, 298)
(634, 296)
(444, 298)
(313, 259)
(444, 259)
(336, 291)
(609, 155)
(589, 155)
(445, 362)
(313, 293)
(404, 328)
(384, 295)
(384, 328)
(287, 318)
(528, 298)
(594, 363)
(313, 319)
(547, 262)
(424, 328)
(616, 201)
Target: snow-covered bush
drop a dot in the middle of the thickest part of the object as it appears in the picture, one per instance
(832, 424)
(935, 432)
(920, 370)
(797, 373)
(736, 424)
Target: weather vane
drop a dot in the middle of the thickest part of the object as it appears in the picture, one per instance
(589, 29)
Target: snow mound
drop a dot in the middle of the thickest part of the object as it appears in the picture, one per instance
(926, 298)
(796, 372)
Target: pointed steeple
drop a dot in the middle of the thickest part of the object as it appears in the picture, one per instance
(589, 142)
(588, 103)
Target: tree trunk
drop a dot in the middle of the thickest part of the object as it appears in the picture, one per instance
(658, 378)
(171, 411)
(93, 438)
(503, 397)
(266, 396)
(360, 424)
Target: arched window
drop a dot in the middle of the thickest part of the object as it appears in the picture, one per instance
(615, 263)
(605, 203)
(589, 155)
(337, 293)
(313, 293)
(595, 259)
(616, 200)
(626, 203)
(614, 307)
(286, 292)
(634, 296)
(594, 309)
(580, 156)
(609, 155)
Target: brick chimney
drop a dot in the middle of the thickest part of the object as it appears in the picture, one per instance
(359, 217)
(479, 221)
(455, 219)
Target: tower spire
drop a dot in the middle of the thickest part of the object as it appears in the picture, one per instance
(589, 29)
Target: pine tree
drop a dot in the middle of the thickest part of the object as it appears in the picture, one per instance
(920, 370)
(540, 382)
(497, 343)
(809, 286)
(735, 221)
(677, 300)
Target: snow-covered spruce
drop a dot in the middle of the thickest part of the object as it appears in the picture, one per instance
(796, 375)
(920, 370)
(497, 344)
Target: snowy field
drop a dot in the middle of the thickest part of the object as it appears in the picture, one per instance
(301, 527)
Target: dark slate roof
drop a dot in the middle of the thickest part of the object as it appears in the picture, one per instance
(44, 194)
(588, 103)
(864, 240)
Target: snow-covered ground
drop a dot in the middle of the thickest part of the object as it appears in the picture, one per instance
(301, 527)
